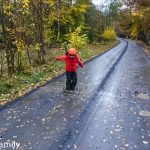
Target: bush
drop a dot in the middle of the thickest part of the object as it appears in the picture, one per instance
(76, 39)
(4, 87)
(109, 34)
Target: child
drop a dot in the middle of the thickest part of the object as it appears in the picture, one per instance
(72, 60)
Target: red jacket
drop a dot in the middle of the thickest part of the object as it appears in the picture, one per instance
(71, 63)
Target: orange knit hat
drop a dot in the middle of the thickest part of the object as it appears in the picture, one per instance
(72, 51)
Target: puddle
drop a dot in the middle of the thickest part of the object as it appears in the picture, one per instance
(142, 95)
(145, 113)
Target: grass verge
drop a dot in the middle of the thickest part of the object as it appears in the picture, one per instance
(145, 46)
(20, 84)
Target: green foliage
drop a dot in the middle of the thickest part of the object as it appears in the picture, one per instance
(4, 87)
(109, 34)
(77, 39)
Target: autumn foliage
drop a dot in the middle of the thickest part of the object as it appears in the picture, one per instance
(109, 34)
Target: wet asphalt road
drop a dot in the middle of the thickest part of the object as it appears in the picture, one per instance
(106, 115)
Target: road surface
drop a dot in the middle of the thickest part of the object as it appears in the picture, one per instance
(112, 111)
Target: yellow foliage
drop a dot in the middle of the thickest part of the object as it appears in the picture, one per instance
(109, 34)
(77, 39)
(7, 9)
(80, 8)
(25, 6)
(20, 45)
(137, 14)
(134, 31)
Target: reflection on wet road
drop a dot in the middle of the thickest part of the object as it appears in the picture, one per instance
(112, 111)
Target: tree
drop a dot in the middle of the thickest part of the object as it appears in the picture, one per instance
(8, 27)
(29, 27)
(135, 18)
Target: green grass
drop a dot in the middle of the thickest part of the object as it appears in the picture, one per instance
(35, 76)
(4, 87)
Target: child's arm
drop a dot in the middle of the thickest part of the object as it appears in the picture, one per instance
(61, 58)
(80, 63)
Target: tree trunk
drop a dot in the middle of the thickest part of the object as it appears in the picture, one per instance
(28, 55)
(58, 17)
(38, 20)
(2, 59)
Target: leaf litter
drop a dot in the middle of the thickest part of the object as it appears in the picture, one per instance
(143, 96)
(144, 113)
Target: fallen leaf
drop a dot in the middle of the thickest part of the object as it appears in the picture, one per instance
(145, 142)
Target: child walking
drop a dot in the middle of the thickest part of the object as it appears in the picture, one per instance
(72, 60)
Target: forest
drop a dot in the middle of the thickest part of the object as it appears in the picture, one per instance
(33, 32)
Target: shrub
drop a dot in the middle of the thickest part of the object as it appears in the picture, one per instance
(109, 34)
(4, 87)
(76, 39)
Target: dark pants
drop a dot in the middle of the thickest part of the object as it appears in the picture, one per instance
(71, 80)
